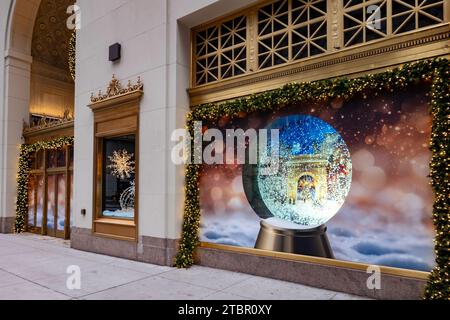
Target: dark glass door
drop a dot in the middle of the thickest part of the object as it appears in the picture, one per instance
(50, 195)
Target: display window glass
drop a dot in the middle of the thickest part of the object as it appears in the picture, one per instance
(56, 158)
(71, 200)
(61, 202)
(354, 170)
(51, 203)
(118, 190)
(31, 201)
(40, 201)
(49, 193)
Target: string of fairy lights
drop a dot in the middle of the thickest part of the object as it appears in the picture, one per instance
(71, 53)
(435, 72)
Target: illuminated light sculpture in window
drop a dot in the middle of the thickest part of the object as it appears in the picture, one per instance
(127, 198)
(122, 167)
(308, 190)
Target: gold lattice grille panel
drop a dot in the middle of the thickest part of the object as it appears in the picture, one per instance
(408, 15)
(290, 30)
(277, 33)
(221, 51)
(367, 20)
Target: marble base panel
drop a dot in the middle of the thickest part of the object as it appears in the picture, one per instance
(7, 224)
(163, 251)
(147, 249)
(334, 278)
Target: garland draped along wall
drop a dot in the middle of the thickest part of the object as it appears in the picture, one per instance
(431, 71)
(72, 55)
(24, 174)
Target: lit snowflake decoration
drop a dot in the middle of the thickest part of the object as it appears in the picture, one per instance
(122, 165)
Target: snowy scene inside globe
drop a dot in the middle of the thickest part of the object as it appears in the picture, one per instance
(315, 172)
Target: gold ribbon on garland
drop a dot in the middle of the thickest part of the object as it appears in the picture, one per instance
(435, 71)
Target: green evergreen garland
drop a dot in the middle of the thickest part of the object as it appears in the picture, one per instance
(23, 176)
(435, 71)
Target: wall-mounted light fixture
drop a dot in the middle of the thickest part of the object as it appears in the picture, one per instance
(115, 52)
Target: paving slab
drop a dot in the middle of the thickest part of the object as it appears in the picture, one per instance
(30, 291)
(101, 277)
(205, 277)
(269, 289)
(7, 279)
(154, 288)
(34, 267)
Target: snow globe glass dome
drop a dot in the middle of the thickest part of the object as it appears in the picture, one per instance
(313, 178)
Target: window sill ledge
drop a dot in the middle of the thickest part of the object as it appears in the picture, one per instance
(116, 229)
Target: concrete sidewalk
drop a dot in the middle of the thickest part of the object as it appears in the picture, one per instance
(34, 267)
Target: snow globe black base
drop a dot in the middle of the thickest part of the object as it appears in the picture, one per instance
(273, 236)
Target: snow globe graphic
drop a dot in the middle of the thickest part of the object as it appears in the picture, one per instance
(309, 188)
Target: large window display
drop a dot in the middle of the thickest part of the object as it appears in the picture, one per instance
(116, 160)
(352, 173)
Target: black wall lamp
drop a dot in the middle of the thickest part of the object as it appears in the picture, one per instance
(115, 52)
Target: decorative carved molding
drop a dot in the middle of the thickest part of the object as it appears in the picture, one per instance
(115, 90)
(283, 32)
(335, 25)
(252, 34)
(49, 124)
(414, 40)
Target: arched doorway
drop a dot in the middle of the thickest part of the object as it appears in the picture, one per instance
(39, 95)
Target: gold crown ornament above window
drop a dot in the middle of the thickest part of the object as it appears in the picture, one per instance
(116, 90)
